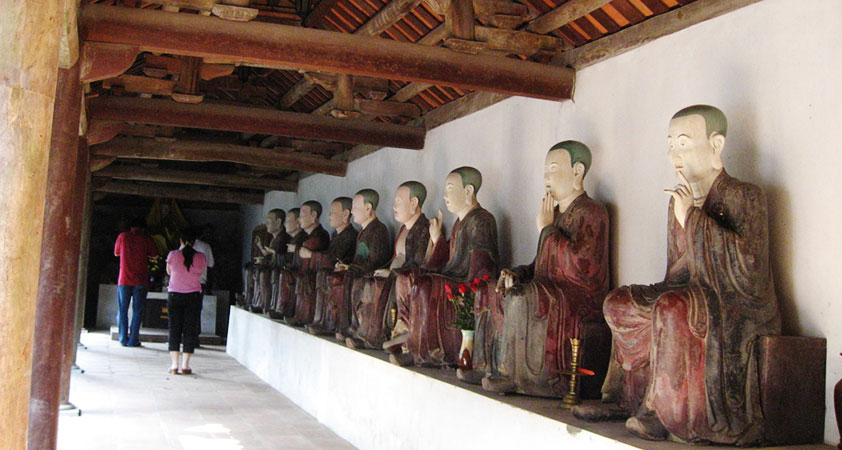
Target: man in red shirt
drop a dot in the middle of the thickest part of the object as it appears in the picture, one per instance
(135, 249)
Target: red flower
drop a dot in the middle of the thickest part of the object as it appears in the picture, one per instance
(462, 288)
(450, 296)
(476, 281)
(474, 287)
(447, 288)
(486, 277)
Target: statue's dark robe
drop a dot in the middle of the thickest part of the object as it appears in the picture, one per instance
(250, 274)
(266, 269)
(470, 254)
(372, 295)
(561, 289)
(283, 295)
(340, 250)
(687, 346)
(333, 296)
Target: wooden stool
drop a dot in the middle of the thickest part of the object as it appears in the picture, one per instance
(792, 388)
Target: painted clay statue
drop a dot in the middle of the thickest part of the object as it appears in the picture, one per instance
(685, 349)
(526, 349)
(258, 234)
(432, 338)
(271, 251)
(340, 250)
(372, 295)
(283, 293)
(373, 249)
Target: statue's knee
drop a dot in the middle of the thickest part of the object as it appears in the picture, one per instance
(670, 304)
(616, 303)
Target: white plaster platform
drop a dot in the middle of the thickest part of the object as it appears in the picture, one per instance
(376, 405)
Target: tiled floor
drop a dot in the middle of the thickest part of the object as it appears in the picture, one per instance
(129, 401)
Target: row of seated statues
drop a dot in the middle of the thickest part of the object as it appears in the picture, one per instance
(680, 360)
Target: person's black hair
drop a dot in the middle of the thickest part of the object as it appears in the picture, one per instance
(138, 222)
(188, 237)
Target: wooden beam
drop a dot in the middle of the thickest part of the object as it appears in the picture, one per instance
(253, 120)
(363, 85)
(295, 93)
(282, 46)
(100, 162)
(197, 178)
(211, 71)
(100, 131)
(378, 108)
(142, 85)
(386, 17)
(103, 60)
(181, 192)
(125, 147)
(564, 14)
(318, 13)
(648, 30)
(460, 19)
(519, 42)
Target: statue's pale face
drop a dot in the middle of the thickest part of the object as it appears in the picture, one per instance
(455, 197)
(336, 216)
(559, 177)
(307, 217)
(291, 223)
(403, 206)
(690, 149)
(359, 210)
(273, 223)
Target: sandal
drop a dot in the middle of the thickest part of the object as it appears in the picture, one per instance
(172, 371)
(186, 371)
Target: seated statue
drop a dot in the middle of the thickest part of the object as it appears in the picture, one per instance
(271, 252)
(685, 349)
(370, 297)
(373, 249)
(540, 306)
(283, 284)
(432, 337)
(340, 250)
(259, 234)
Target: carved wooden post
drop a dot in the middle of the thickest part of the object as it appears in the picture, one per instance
(460, 19)
(27, 89)
(77, 223)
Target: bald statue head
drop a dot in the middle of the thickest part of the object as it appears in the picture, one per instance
(460, 189)
(696, 140)
(408, 200)
(340, 212)
(274, 220)
(564, 170)
(291, 222)
(364, 206)
(308, 218)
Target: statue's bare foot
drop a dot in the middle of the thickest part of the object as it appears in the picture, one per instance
(316, 330)
(340, 337)
(394, 345)
(275, 315)
(500, 385)
(599, 413)
(401, 359)
(470, 376)
(291, 321)
(647, 426)
(353, 343)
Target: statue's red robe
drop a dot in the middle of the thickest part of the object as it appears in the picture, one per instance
(686, 348)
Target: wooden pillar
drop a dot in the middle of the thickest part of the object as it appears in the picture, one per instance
(82, 278)
(28, 71)
(59, 256)
(79, 194)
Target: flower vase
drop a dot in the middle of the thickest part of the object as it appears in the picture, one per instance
(837, 401)
(467, 349)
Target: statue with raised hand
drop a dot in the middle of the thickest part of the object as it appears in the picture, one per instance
(685, 349)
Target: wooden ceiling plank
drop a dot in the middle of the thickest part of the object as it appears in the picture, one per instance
(649, 30)
(564, 14)
(181, 192)
(139, 173)
(253, 120)
(204, 151)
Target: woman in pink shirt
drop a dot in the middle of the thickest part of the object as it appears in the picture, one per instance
(184, 304)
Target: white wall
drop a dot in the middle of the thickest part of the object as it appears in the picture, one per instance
(773, 67)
